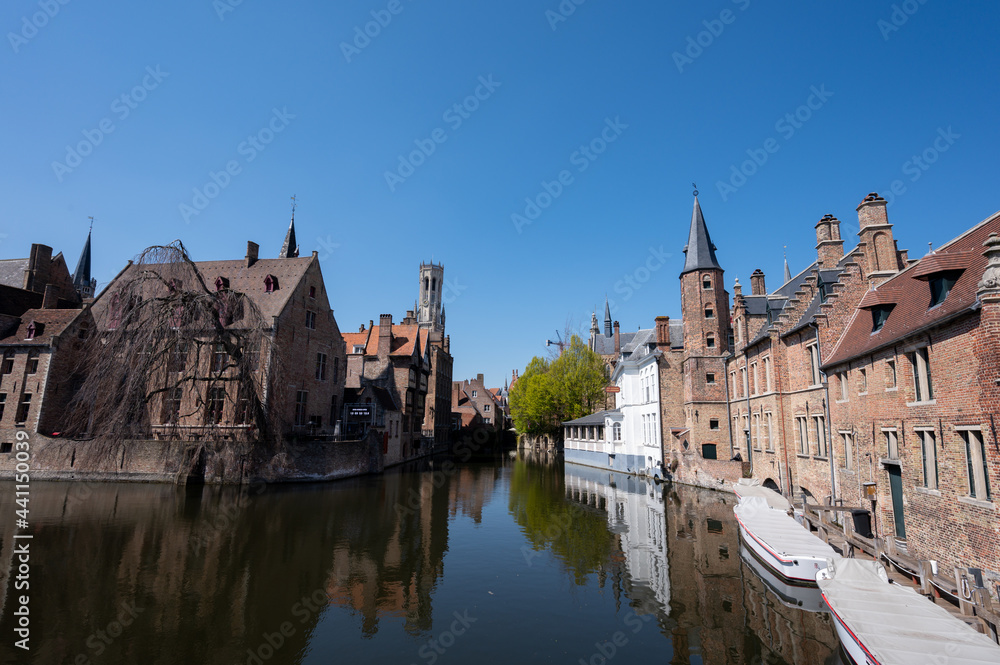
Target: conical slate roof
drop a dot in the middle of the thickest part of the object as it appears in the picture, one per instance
(290, 249)
(607, 318)
(81, 278)
(788, 273)
(699, 252)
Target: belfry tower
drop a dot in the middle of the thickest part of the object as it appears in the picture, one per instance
(430, 311)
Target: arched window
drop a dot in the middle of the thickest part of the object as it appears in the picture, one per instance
(617, 430)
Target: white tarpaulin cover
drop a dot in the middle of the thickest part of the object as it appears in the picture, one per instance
(748, 487)
(899, 626)
(780, 532)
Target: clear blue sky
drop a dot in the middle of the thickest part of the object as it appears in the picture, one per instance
(886, 95)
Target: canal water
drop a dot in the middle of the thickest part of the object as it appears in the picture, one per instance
(514, 561)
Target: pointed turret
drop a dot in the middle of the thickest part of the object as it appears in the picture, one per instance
(699, 251)
(290, 249)
(788, 273)
(607, 318)
(81, 278)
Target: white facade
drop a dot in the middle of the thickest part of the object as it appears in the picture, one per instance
(637, 377)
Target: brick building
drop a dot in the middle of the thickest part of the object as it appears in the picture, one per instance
(473, 403)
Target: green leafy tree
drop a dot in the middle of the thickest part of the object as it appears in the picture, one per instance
(549, 393)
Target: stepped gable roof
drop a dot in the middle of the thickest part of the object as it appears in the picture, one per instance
(829, 277)
(699, 253)
(12, 272)
(593, 418)
(404, 340)
(909, 295)
(55, 321)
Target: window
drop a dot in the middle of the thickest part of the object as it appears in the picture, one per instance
(709, 313)
(311, 320)
(941, 284)
(803, 435)
(708, 451)
(242, 415)
(767, 372)
(842, 380)
(221, 284)
(975, 455)
(732, 377)
(270, 284)
(743, 382)
(706, 282)
(928, 455)
(171, 405)
(923, 389)
(755, 433)
(880, 314)
(3, 403)
(301, 400)
(33, 361)
(890, 374)
(8, 362)
(848, 438)
(216, 402)
(755, 378)
(23, 408)
(769, 440)
(219, 358)
(616, 431)
(891, 444)
(486, 408)
(34, 330)
(178, 357)
(6, 447)
(321, 367)
(862, 381)
(819, 424)
(475, 392)
(359, 348)
(813, 351)
(710, 341)
(710, 378)
(312, 291)
(713, 423)
(486, 420)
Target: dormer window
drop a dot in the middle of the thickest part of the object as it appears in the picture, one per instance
(221, 284)
(175, 285)
(359, 348)
(941, 284)
(270, 284)
(823, 290)
(880, 314)
(312, 291)
(35, 329)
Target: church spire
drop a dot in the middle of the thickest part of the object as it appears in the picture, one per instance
(788, 273)
(607, 318)
(81, 278)
(290, 249)
(700, 251)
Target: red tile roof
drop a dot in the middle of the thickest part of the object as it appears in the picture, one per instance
(404, 338)
(909, 294)
(54, 320)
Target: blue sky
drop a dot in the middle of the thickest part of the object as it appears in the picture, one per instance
(664, 94)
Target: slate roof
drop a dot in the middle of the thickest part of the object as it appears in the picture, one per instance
(12, 272)
(605, 346)
(54, 320)
(15, 301)
(593, 418)
(828, 277)
(81, 277)
(699, 253)
(909, 292)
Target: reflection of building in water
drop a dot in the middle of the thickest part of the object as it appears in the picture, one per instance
(471, 489)
(721, 611)
(635, 512)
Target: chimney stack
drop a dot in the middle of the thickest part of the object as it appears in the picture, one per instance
(757, 287)
(384, 335)
(253, 249)
(881, 255)
(663, 331)
(871, 212)
(618, 342)
(51, 299)
(479, 378)
(37, 274)
(829, 246)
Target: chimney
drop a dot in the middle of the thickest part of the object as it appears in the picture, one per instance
(663, 331)
(618, 342)
(50, 300)
(37, 274)
(252, 251)
(880, 252)
(456, 393)
(384, 335)
(871, 212)
(479, 379)
(757, 283)
(829, 246)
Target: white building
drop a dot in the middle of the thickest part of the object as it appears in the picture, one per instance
(628, 438)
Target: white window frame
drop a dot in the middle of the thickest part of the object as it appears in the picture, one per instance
(847, 438)
(819, 424)
(928, 457)
(977, 466)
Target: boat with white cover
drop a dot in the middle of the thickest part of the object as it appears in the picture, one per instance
(781, 543)
(748, 487)
(887, 624)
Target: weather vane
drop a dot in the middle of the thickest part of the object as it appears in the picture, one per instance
(91, 223)
(293, 206)
(695, 188)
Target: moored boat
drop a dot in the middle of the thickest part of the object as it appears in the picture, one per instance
(751, 487)
(887, 624)
(781, 543)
